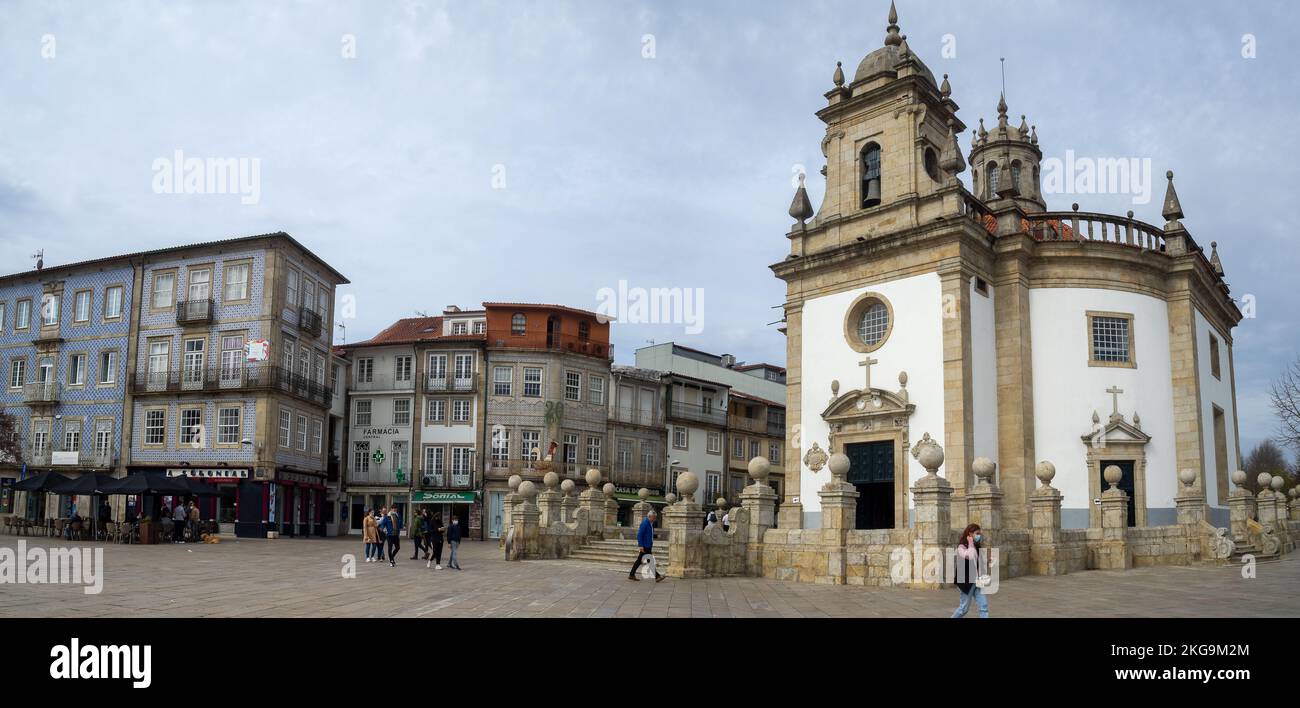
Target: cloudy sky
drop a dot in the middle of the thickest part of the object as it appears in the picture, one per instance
(541, 151)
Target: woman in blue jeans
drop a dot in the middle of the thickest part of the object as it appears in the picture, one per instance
(970, 567)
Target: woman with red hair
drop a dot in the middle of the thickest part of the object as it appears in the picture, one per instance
(971, 571)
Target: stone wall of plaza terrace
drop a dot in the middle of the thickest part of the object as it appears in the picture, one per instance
(64, 381)
(1005, 331)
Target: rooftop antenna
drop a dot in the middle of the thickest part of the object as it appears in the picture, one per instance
(345, 331)
(40, 259)
(1004, 75)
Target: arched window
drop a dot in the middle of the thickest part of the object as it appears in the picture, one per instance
(991, 179)
(517, 322)
(870, 175)
(1015, 175)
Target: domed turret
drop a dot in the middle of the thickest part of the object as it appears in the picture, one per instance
(1005, 162)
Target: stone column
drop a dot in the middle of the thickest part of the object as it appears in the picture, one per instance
(548, 502)
(1239, 503)
(932, 514)
(684, 521)
(1045, 552)
(611, 504)
(593, 500)
(1266, 502)
(839, 516)
(984, 500)
(1295, 504)
(568, 504)
(1112, 553)
(641, 508)
(511, 500)
(1191, 500)
(523, 538)
(759, 500)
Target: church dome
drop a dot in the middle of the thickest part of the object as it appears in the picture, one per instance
(884, 59)
(887, 57)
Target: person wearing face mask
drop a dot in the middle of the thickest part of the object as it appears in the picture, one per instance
(970, 568)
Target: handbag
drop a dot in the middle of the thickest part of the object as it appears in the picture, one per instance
(983, 581)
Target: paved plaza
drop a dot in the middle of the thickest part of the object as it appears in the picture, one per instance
(304, 578)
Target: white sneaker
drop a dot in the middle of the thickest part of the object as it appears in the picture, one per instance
(437, 567)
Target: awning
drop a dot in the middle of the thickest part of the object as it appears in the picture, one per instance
(628, 496)
(442, 498)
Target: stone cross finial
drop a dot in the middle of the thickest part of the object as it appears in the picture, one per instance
(1114, 392)
(867, 363)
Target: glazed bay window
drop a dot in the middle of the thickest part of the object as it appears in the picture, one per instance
(1110, 340)
(228, 420)
(401, 411)
(502, 380)
(572, 386)
(235, 287)
(532, 382)
(362, 415)
(155, 427)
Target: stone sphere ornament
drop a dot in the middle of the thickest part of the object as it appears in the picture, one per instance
(687, 483)
(983, 468)
(1239, 478)
(1291, 492)
(759, 468)
(643, 494)
(1187, 476)
(670, 498)
(1113, 475)
(720, 502)
(514, 482)
(1265, 479)
(551, 480)
(567, 487)
(609, 490)
(839, 465)
(1045, 472)
(593, 478)
(528, 490)
(1277, 483)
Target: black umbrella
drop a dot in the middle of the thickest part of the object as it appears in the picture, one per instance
(43, 482)
(200, 488)
(134, 484)
(85, 485)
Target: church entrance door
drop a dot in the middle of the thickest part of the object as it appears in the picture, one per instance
(871, 470)
(1125, 483)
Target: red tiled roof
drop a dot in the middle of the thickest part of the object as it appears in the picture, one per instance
(1038, 230)
(540, 306)
(411, 330)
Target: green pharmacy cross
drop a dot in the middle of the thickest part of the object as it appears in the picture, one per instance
(401, 476)
(378, 457)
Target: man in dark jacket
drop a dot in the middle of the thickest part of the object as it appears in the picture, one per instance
(645, 540)
(391, 526)
(453, 539)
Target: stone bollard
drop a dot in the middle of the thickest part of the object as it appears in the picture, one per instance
(641, 508)
(984, 500)
(839, 498)
(568, 504)
(683, 520)
(1045, 552)
(1266, 502)
(1190, 500)
(1112, 552)
(1239, 511)
(1295, 503)
(593, 500)
(548, 502)
(611, 505)
(524, 535)
(759, 501)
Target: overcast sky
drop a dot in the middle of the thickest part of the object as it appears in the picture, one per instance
(542, 151)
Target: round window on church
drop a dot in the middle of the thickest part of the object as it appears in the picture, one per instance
(868, 322)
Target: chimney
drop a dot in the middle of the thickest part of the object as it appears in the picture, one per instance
(451, 309)
(728, 360)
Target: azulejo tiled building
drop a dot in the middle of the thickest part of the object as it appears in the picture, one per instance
(208, 360)
(916, 305)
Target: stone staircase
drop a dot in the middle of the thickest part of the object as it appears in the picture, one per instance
(621, 552)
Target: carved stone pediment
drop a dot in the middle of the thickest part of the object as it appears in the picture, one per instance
(857, 405)
(1117, 431)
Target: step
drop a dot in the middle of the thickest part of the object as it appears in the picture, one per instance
(607, 557)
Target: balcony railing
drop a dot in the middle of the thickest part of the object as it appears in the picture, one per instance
(443, 480)
(445, 384)
(41, 392)
(39, 458)
(528, 469)
(776, 430)
(654, 478)
(579, 345)
(637, 417)
(697, 413)
(194, 311)
(244, 377)
(748, 425)
(309, 321)
(383, 382)
(1089, 226)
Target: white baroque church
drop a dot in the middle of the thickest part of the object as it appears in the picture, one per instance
(916, 305)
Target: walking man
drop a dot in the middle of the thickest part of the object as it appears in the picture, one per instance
(178, 521)
(453, 538)
(391, 525)
(645, 541)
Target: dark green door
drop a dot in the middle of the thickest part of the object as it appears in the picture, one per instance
(1125, 483)
(871, 471)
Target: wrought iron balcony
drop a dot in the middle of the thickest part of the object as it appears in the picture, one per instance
(194, 311)
(441, 479)
(579, 345)
(449, 384)
(309, 321)
(697, 413)
(41, 392)
(242, 377)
